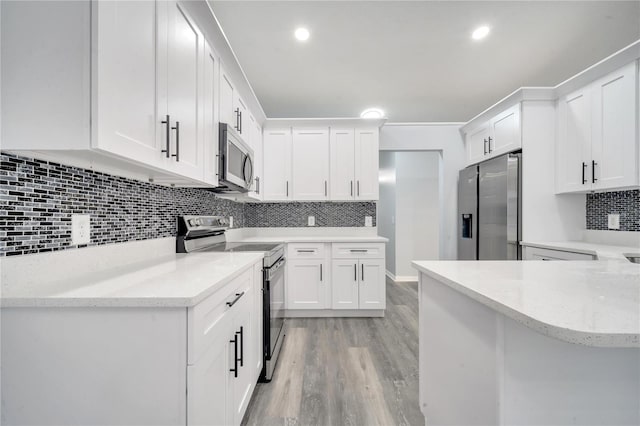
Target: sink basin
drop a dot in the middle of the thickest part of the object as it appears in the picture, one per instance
(633, 258)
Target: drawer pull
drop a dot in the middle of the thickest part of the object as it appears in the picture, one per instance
(234, 301)
(234, 370)
(241, 333)
(358, 250)
(306, 251)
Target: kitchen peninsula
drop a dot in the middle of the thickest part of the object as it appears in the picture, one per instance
(529, 342)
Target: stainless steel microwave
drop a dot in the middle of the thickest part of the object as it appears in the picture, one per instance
(235, 162)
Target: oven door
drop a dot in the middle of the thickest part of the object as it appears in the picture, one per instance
(273, 309)
(236, 160)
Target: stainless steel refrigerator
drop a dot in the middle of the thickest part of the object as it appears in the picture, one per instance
(489, 209)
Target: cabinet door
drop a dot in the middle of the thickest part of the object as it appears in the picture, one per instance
(615, 147)
(342, 154)
(124, 119)
(209, 399)
(306, 284)
(574, 142)
(366, 165)
(505, 129)
(477, 144)
(184, 92)
(344, 284)
(276, 164)
(210, 119)
(310, 164)
(372, 289)
(227, 96)
(242, 386)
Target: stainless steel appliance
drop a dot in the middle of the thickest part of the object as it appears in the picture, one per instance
(235, 162)
(207, 234)
(489, 209)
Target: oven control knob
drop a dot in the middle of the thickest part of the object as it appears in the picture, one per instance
(223, 221)
(192, 222)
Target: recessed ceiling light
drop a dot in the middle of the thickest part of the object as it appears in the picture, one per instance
(480, 32)
(372, 113)
(302, 34)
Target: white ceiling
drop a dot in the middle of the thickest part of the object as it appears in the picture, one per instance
(416, 60)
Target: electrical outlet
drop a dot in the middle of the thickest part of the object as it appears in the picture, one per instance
(368, 221)
(80, 229)
(614, 221)
(230, 221)
(311, 221)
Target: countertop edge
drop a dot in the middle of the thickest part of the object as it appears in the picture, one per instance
(603, 340)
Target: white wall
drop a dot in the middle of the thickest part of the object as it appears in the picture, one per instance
(386, 210)
(417, 210)
(445, 139)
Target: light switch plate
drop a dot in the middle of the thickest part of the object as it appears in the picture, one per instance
(80, 229)
(614, 221)
(368, 221)
(311, 221)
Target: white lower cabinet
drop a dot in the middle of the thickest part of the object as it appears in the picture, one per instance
(224, 342)
(333, 278)
(537, 253)
(307, 284)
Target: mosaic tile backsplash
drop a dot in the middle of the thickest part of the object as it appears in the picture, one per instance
(331, 214)
(625, 203)
(37, 199)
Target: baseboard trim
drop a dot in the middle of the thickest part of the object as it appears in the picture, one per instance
(406, 278)
(333, 313)
(390, 275)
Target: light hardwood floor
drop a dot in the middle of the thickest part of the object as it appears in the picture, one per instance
(346, 371)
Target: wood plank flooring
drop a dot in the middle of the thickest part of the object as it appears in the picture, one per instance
(346, 371)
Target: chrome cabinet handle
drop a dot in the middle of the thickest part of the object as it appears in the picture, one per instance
(305, 251)
(352, 188)
(177, 129)
(321, 272)
(593, 171)
(362, 265)
(355, 272)
(240, 129)
(325, 188)
(167, 122)
(237, 119)
(358, 250)
(489, 143)
(358, 188)
(257, 184)
(484, 146)
(584, 167)
(287, 188)
(234, 301)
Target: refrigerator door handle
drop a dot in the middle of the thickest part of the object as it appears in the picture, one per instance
(513, 207)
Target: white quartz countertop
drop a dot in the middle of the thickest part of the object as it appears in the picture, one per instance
(169, 280)
(594, 303)
(601, 251)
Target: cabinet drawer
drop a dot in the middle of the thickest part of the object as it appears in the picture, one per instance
(358, 250)
(535, 253)
(305, 251)
(206, 320)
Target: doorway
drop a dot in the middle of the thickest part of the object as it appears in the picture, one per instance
(409, 209)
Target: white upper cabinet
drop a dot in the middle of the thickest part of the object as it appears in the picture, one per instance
(499, 135)
(343, 161)
(210, 119)
(597, 143)
(614, 143)
(184, 94)
(505, 129)
(277, 164)
(310, 164)
(366, 165)
(227, 97)
(125, 79)
(574, 141)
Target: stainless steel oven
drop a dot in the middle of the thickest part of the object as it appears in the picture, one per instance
(273, 320)
(235, 162)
